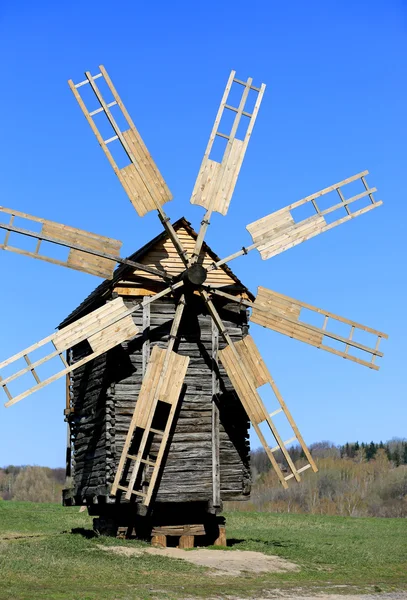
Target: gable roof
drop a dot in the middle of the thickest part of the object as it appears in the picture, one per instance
(124, 270)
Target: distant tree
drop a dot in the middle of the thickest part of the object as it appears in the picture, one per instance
(396, 457)
(345, 450)
(324, 449)
(370, 451)
(360, 455)
(33, 485)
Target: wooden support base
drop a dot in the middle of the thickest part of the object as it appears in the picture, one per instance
(185, 533)
(186, 541)
(163, 529)
(159, 540)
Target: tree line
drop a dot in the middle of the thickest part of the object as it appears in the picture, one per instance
(31, 484)
(356, 479)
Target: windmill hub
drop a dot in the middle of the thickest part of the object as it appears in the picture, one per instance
(195, 275)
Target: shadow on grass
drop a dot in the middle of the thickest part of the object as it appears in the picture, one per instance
(86, 533)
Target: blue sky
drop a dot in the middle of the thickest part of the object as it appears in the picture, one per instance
(335, 105)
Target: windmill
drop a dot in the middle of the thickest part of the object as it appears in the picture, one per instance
(113, 323)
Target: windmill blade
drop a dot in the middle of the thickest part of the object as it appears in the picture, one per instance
(141, 178)
(282, 313)
(246, 370)
(279, 231)
(162, 382)
(88, 252)
(216, 180)
(103, 329)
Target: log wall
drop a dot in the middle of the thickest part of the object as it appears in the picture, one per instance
(104, 393)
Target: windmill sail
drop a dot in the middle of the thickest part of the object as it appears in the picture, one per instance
(216, 180)
(141, 178)
(279, 231)
(162, 382)
(91, 253)
(285, 315)
(247, 372)
(103, 329)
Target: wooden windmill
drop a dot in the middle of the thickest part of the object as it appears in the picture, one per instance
(186, 275)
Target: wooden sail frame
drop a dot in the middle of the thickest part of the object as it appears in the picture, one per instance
(282, 314)
(103, 329)
(141, 179)
(163, 381)
(88, 252)
(246, 370)
(216, 180)
(279, 231)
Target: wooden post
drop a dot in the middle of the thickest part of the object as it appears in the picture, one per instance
(186, 541)
(221, 539)
(159, 540)
(146, 358)
(68, 457)
(215, 420)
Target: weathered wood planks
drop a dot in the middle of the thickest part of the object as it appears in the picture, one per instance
(104, 394)
(283, 314)
(81, 244)
(247, 371)
(216, 180)
(162, 381)
(103, 329)
(279, 231)
(141, 179)
(164, 255)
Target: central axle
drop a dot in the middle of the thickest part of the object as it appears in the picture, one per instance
(195, 275)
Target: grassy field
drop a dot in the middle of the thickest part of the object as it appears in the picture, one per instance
(41, 559)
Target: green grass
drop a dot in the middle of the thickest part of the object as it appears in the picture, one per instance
(41, 559)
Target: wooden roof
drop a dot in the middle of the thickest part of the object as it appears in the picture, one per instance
(158, 252)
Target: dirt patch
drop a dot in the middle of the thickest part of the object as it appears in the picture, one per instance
(21, 536)
(223, 562)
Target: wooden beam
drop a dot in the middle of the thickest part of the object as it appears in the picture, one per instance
(104, 328)
(278, 232)
(163, 381)
(246, 370)
(275, 311)
(81, 243)
(216, 497)
(141, 179)
(216, 180)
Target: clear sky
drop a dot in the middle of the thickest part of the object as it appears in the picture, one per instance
(335, 105)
